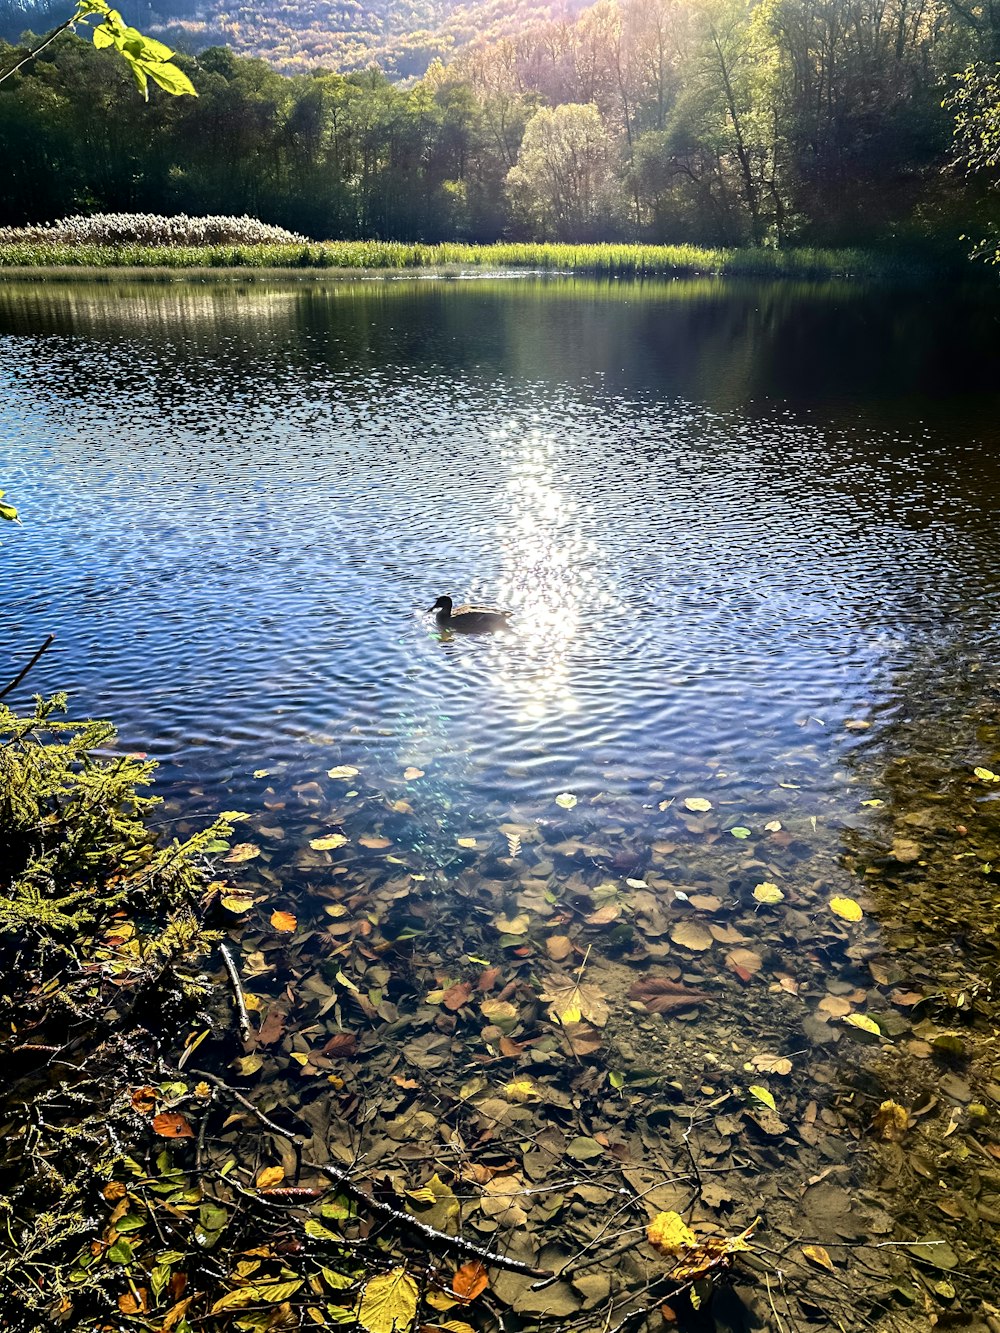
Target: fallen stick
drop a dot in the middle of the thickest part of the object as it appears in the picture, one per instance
(242, 1017)
(381, 1209)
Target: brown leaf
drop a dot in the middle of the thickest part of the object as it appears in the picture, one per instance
(558, 947)
(660, 996)
(143, 1100)
(744, 962)
(171, 1125)
(818, 1255)
(341, 1046)
(375, 843)
(272, 1027)
(692, 935)
(470, 1281)
(457, 995)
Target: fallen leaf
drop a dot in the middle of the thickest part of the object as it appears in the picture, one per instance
(764, 1096)
(411, 774)
(660, 996)
(740, 832)
(512, 925)
(270, 1176)
(389, 1302)
(819, 1256)
(772, 1064)
(328, 843)
(669, 1234)
(470, 1281)
(566, 799)
(243, 851)
(343, 771)
(143, 1100)
(457, 995)
(768, 893)
(171, 1125)
(846, 908)
(266, 1293)
(890, 1122)
(863, 1022)
(692, 935)
(570, 1000)
(744, 962)
(376, 843)
(697, 803)
(466, 842)
(558, 947)
(238, 903)
(283, 921)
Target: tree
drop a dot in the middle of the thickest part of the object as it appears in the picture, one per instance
(563, 185)
(975, 103)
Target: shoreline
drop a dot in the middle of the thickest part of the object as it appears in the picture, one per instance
(383, 261)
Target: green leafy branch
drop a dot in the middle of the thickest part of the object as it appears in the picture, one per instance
(145, 57)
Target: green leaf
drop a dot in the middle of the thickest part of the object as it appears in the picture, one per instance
(121, 1252)
(740, 832)
(171, 79)
(764, 1096)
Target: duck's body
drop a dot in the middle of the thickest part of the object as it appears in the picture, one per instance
(469, 619)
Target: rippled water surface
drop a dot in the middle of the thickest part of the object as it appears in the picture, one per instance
(724, 518)
(748, 535)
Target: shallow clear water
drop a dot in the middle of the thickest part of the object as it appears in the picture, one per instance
(748, 536)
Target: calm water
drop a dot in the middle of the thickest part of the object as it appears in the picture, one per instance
(729, 520)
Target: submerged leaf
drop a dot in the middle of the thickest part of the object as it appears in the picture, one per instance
(570, 1000)
(669, 1234)
(566, 799)
(328, 843)
(818, 1255)
(846, 908)
(283, 921)
(660, 996)
(388, 1303)
(768, 893)
(697, 803)
(172, 1125)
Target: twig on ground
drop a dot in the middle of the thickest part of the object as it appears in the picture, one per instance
(242, 1017)
(397, 1216)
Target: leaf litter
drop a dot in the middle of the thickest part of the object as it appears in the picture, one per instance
(558, 1035)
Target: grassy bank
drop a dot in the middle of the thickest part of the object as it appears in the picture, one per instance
(605, 260)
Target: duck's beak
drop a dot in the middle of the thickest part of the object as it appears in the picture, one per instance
(433, 608)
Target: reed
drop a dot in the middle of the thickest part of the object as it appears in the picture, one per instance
(609, 260)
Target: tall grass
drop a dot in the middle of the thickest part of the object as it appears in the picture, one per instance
(605, 260)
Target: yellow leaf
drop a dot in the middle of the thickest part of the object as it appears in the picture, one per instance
(866, 1024)
(768, 893)
(237, 902)
(764, 1096)
(389, 1303)
(343, 771)
(328, 842)
(521, 1090)
(267, 1293)
(986, 775)
(243, 851)
(466, 842)
(890, 1122)
(270, 1176)
(566, 799)
(512, 925)
(697, 803)
(669, 1234)
(412, 774)
(283, 921)
(818, 1255)
(846, 908)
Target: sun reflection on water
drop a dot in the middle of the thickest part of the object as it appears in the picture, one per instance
(546, 571)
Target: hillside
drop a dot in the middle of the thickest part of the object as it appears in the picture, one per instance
(401, 36)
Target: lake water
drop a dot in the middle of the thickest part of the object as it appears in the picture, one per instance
(748, 536)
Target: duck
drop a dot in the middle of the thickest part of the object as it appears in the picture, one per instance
(469, 619)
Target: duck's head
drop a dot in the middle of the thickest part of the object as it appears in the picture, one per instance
(442, 604)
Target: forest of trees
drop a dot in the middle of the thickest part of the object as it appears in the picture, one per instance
(714, 121)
